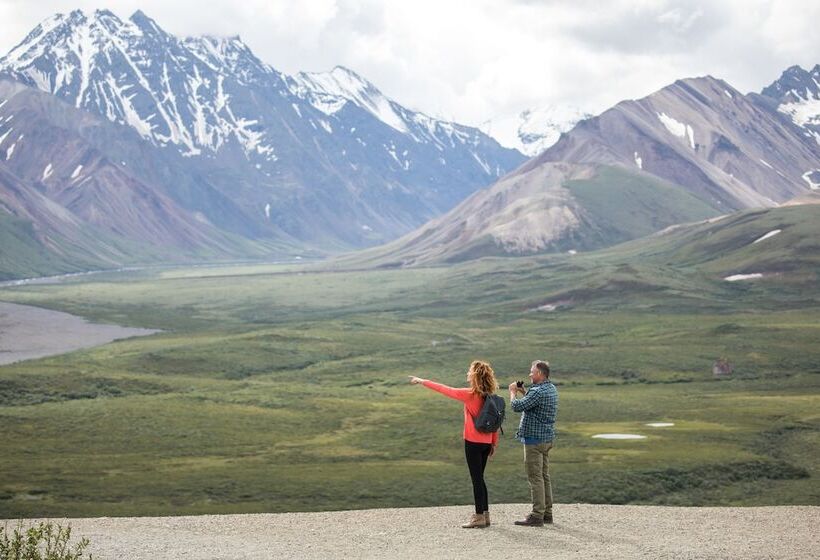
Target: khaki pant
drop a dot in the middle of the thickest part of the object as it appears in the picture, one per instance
(537, 463)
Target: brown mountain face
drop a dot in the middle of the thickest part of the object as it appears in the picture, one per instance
(40, 236)
(812, 197)
(556, 206)
(703, 135)
(523, 212)
(695, 149)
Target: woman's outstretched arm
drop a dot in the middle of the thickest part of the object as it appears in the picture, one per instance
(453, 393)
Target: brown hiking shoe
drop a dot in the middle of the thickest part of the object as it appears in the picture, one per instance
(532, 521)
(476, 522)
(548, 518)
(487, 518)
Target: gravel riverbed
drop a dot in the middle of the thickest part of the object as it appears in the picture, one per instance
(28, 332)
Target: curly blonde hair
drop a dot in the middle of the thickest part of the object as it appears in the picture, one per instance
(482, 380)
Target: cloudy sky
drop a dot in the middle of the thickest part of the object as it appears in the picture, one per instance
(471, 60)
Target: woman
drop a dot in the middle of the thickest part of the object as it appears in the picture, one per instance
(478, 446)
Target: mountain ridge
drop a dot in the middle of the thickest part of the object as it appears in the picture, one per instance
(245, 148)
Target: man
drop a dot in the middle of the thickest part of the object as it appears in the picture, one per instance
(536, 431)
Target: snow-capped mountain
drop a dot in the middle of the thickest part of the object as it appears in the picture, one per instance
(323, 158)
(797, 94)
(534, 130)
(132, 72)
(329, 92)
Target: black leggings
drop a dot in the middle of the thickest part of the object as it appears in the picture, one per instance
(477, 455)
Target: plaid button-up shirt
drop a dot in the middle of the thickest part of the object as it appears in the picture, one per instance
(540, 406)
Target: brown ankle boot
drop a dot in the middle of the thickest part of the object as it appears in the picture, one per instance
(487, 518)
(476, 522)
(532, 520)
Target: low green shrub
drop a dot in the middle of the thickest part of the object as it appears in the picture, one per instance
(44, 541)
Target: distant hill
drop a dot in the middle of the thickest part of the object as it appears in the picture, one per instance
(552, 207)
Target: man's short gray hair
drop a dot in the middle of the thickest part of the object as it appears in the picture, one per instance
(543, 366)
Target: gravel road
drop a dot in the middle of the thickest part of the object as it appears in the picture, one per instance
(580, 531)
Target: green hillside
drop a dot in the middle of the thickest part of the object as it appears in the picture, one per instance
(619, 205)
(727, 245)
(21, 253)
(680, 268)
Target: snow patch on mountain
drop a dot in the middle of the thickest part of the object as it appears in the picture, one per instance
(807, 177)
(741, 277)
(679, 129)
(534, 130)
(802, 112)
(5, 135)
(767, 236)
(483, 164)
(330, 91)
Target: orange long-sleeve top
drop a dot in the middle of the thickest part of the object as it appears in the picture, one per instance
(472, 408)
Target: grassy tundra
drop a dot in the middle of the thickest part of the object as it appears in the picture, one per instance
(283, 388)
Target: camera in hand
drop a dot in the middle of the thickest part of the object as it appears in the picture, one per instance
(520, 384)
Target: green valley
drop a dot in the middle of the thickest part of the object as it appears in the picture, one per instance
(284, 388)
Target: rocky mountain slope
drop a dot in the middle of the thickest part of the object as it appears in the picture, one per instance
(75, 204)
(703, 135)
(797, 95)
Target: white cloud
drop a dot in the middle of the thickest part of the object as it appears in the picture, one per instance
(470, 60)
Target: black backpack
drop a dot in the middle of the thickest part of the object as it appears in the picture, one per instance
(491, 416)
